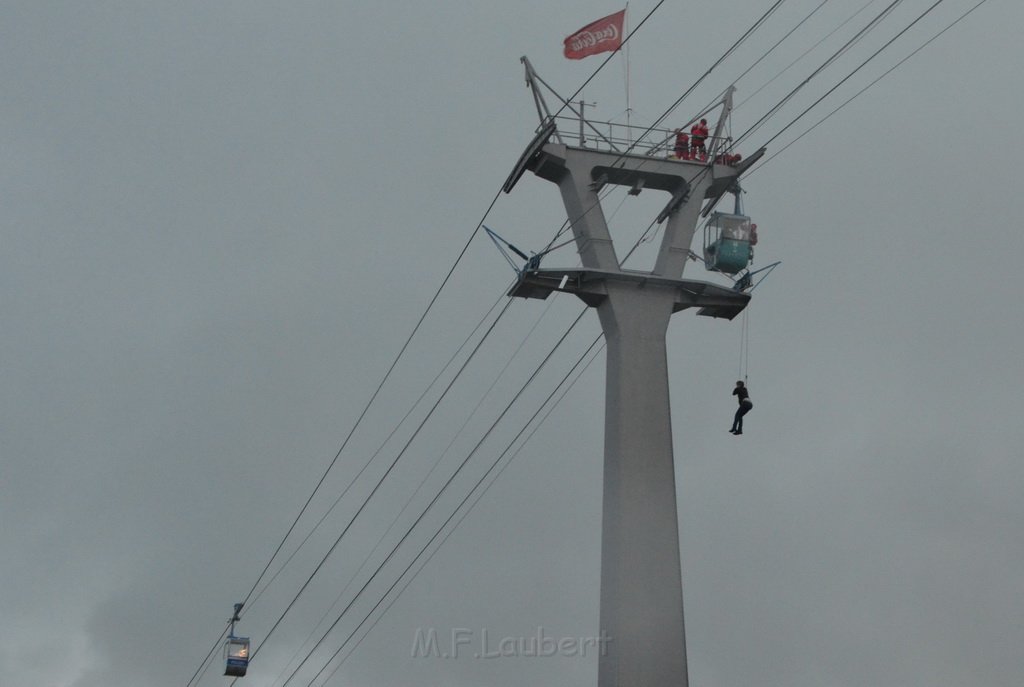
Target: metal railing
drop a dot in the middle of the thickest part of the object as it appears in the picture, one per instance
(638, 140)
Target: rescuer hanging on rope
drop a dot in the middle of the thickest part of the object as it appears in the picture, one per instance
(743, 396)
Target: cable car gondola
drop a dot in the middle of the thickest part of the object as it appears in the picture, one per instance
(236, 654)
(729, 240)
(236, 650)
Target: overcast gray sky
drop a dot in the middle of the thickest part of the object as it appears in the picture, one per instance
(221, 220)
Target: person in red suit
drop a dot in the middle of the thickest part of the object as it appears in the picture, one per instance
(698, 134)
(682, 145)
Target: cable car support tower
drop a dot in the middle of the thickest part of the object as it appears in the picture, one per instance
(641, 582)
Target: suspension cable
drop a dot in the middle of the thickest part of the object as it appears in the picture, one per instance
(701, 173)
(875, 81)
(859, 67)
(362, 415)
(704, 171)
(440, 492)
(380, 448)
(427, 476)
(450, 480)
(418, 555)
(804, 54)
(565, 388)
(382, 478)
(778, 106)
(779, 42)
(207, 662)
(364, 467)
(607, 59)
(764, 17)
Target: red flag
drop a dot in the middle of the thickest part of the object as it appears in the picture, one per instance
(603, 35)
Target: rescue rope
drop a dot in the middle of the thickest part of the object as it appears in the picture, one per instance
(744, 362)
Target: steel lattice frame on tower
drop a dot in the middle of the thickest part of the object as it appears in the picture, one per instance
(641, 583)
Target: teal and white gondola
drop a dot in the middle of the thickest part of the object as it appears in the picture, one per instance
(729, 239)
(728, 242)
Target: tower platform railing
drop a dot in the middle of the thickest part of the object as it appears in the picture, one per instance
(610, 136)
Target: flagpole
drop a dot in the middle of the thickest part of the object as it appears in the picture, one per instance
(625, 31)
(604, 35)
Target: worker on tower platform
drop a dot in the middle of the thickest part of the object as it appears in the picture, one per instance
(682, 148)
(698, 134)
(743, 396)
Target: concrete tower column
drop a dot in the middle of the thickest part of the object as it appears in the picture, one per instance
(641, 581)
